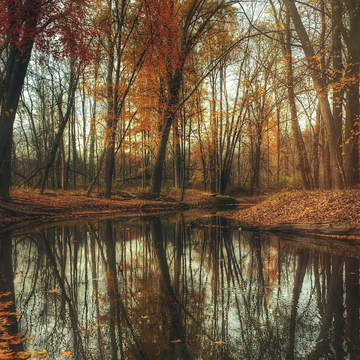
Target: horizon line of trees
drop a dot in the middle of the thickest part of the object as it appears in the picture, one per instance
(221, 95)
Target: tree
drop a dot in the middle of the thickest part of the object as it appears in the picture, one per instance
(23, 24)
(321, 90)
(352, 117)
(285, 41)
(176, 30)
(122, 43)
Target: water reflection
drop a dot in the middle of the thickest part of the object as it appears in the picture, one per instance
(162, 289)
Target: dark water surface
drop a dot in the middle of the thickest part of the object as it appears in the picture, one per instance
(175, 289)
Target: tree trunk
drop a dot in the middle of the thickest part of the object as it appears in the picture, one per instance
(169, 116)
(11, 90)
(320, 87)
(5, 174)
(109, 167)
(336, 46)
(299, 141)
(352, 125)
(63, 163)
(316, 161)
(177, 151)
(63, 121)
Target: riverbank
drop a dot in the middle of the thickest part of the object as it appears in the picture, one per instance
(317, 206)
(28, 206)
(285, 211)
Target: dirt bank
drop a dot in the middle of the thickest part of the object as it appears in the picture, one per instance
(28, 206)
(314, 214)
(337, 207)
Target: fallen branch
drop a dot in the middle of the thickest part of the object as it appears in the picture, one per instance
(23, 212)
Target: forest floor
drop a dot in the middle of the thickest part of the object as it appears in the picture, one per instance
(305, 213)
(337, 207)
(28, 207)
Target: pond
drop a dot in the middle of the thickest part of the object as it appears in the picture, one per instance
(175, 288)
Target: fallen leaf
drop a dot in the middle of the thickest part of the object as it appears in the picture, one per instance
(27, 339)
(65, 353)
(23, 355)
(14, 341)
(5, 354)
(144, 317)
(52, 291)
(6, 337)
(175, 341)
(40, 354)
(218, 342)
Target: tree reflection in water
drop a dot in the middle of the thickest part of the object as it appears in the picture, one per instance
(163, 289)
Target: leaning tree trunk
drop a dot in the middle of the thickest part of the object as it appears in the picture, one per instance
(169, 116)
(304, 166)
(320, 87)
(63, 121)
(299, 141)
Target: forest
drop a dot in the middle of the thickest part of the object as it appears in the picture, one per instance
(218, 95)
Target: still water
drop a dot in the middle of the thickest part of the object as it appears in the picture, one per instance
(178, 289)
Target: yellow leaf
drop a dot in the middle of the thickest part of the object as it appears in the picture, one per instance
(218, 342)
(144, 317)
(28, 339)
(40, 354)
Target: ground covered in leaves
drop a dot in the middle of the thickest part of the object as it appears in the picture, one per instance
(337, 207)
(29, 206)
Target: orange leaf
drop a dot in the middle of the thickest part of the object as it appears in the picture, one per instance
(52, 291)
(14, 341)
(14, 314)
(6, 337)
(65, 353)
(4, 354)
(175, 341)
(23, 355)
